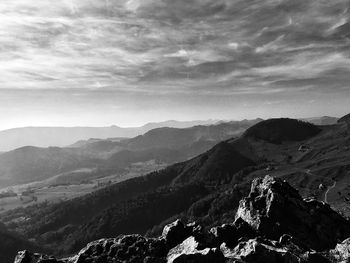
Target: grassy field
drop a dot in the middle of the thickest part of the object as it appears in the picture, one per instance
(70, 185)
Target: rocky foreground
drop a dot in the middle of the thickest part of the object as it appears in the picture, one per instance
(273, 224)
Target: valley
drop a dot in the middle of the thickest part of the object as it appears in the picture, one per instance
(32, 175)
(140, 191)
(313, 159)
(67, 186)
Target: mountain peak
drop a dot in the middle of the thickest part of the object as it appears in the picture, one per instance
(282, 129)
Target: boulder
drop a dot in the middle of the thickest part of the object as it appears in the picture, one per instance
(261, 251)
(231, 233)
(274, 208)
(176, 232)
(188, 251)
(29, 257)
(341, 253)
(128, 248)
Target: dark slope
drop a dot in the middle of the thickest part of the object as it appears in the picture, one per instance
(273, 223)
(345, 119)
(29, 163)
(218, 164)
(126, 157)
(178, 138)
(11, 243)
(281, 130)
(135, 215)
(209, 169)
(45, 218)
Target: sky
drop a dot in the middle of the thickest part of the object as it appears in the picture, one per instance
(129, 62)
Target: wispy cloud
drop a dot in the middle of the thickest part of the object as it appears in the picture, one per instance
(212, 48)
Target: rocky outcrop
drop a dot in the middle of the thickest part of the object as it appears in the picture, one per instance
(188, 251)
(274, 208)
(273, 224)
(341, 253)
(28, 257)
(260, 251)
(175, 233)
(131, 248)
(232, 233)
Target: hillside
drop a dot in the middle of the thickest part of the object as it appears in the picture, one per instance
(164, 146)
(221, 176)
(324, 120)
(11, 243)
(177, 138)
(273, 223)
(281, 130)
(217, 165)
(344, 119)
(28, 164)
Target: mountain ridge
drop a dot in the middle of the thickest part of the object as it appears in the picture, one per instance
(219, 188)
(64, 136)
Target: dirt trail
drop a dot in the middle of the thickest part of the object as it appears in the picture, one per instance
(326, 193)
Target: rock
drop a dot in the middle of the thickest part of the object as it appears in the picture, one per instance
(128, 248)
(314, 257)
(28, 257)
(226, 233)
(154, 260)
(232, 233)
(188, 251)
(260, 251)
(274, 208)
(176, 232)
(341, 253)
(207, 255)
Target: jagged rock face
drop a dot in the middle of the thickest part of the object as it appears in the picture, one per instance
(232, 233)
(28, 257)
(131, 248)
(175, 233)
(291, 228)
(261, 251)
(274, 208)
(341, 253)
(188, 251)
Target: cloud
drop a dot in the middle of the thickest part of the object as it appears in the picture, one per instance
(191, 47)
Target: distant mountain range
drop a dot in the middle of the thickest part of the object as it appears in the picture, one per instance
(63, 136)
(165, 145)
(206, 188)
(324, 120)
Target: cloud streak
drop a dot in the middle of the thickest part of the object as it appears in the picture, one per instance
(211, 48)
